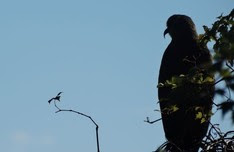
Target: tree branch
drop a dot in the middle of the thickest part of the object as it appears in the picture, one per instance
(222, 142)
(82, 114)
(151, 122)
(223, 78)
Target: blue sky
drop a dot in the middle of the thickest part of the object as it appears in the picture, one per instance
(104, 55)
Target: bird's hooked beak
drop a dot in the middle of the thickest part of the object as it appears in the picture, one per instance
(165, 32)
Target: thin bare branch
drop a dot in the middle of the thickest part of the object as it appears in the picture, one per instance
(79, 113)
(223, 142)
(151, 122)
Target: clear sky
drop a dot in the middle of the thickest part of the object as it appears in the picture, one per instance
(103, 54)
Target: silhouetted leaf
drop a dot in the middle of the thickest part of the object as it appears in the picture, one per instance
(225, 72)
(229, 79)
(206, 29)
(217, 66)
(219, 17)
(231, 86)
(226, 107)
(220, 91)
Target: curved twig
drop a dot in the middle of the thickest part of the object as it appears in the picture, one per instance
(57, 98)
(219, 143)
(152, 122)
(82, 114)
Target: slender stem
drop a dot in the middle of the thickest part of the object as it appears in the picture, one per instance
(215, 129)
(223, 78)
(97, 138)
(87, 116)
(152, 122)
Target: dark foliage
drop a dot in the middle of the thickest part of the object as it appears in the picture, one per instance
(221, 34)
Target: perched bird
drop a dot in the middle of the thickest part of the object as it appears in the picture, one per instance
(57, 97)
(185, 110)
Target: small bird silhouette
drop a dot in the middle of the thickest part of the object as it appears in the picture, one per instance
(57, 97)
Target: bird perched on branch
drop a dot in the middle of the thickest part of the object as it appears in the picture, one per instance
(57, 97)
(185, 89)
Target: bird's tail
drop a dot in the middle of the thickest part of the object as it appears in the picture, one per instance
(171, 147)
(168, 147)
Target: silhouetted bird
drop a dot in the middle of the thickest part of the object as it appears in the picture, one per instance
(182, 129)
(56, 98)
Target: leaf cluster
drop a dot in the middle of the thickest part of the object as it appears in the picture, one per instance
(193, 87)
(221, 36)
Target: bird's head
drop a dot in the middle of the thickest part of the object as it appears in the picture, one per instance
(181, 27)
